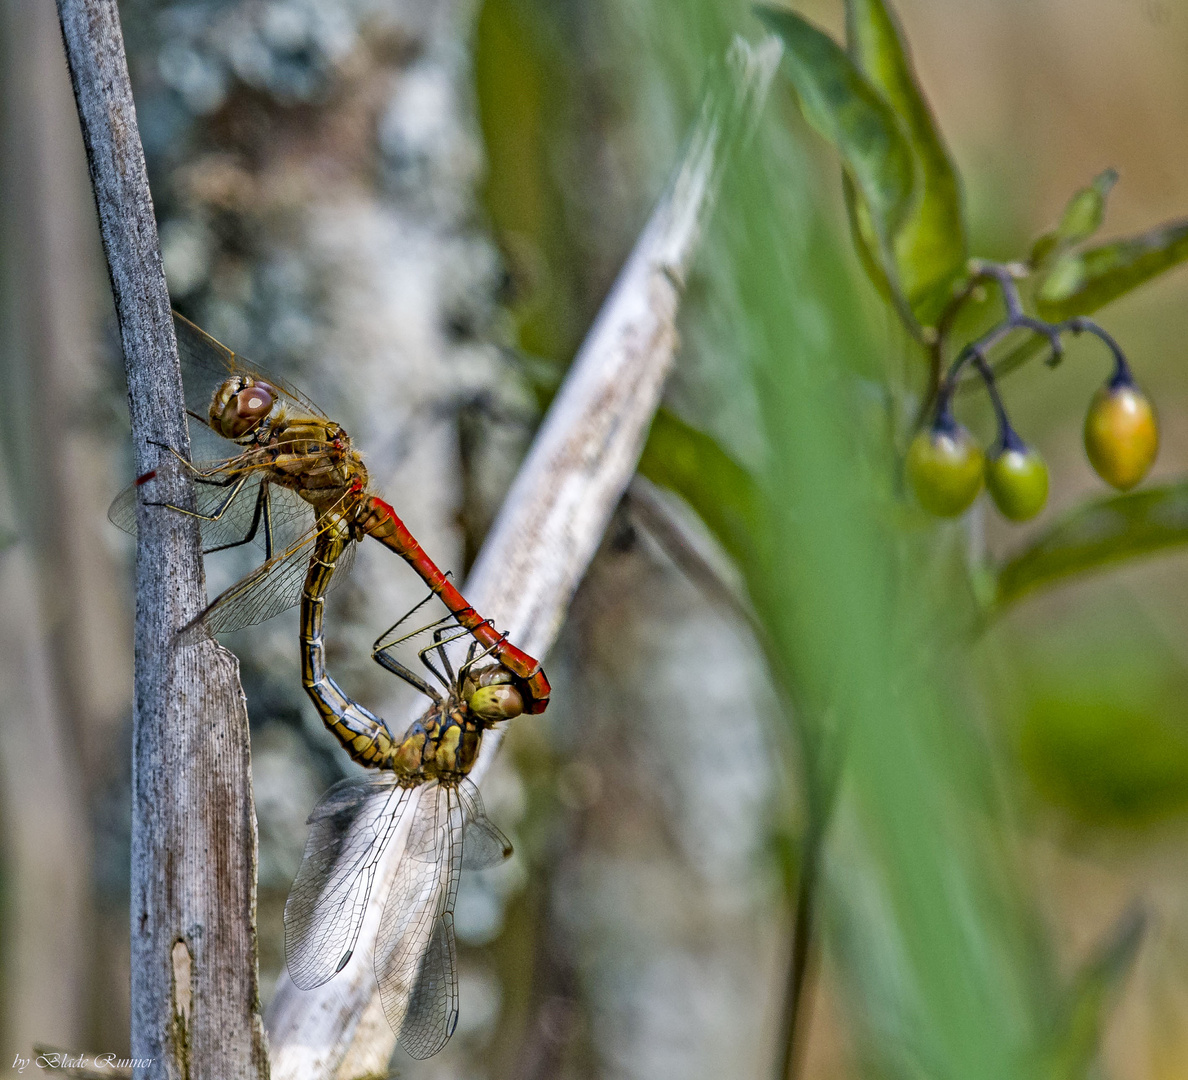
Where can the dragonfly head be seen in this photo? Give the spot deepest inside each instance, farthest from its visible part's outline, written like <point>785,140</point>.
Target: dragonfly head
<point>239,406</point>
<point>491,694</point>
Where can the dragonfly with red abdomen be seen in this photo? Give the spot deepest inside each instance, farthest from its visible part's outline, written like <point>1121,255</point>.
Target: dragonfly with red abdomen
<point>295,476</point>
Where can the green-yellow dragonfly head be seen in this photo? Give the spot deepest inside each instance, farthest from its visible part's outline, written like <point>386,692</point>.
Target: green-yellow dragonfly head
<point>492,694</point>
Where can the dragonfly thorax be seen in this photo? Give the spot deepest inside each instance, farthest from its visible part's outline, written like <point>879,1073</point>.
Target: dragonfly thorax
<point>314,457</point>
<point>443,746</point>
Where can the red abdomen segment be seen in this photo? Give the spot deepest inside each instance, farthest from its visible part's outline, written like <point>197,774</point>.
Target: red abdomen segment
<point>379,520</point>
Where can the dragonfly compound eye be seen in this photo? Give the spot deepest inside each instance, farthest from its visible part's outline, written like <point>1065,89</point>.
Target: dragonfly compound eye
<point>254,402</point>
<point>497,702</point>
<point>226,411</point>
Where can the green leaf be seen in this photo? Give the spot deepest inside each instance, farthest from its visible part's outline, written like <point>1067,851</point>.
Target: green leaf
<point>723,494</point>
<point>1082,218</point>
<point>1105,761</point>
<point>932,247</point>
<point>1079,284</point>
<point>1093,992</point>
<point>866,241</point>
<point>1103,532</point>
<point>850,112</point>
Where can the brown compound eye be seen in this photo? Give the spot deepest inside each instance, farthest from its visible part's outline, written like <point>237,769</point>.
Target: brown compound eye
<point>254,402</point>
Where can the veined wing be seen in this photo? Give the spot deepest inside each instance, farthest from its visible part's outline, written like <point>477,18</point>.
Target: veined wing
<point>206,363</point>
<point>349,829</point>
<point>484,845</point>
<point>415,953</point>
<point>415,960</point>
<point>271,588</point>
<point>291,515</point>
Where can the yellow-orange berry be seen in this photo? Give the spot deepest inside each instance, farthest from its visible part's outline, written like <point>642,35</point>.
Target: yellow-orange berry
<point>1121,434</point>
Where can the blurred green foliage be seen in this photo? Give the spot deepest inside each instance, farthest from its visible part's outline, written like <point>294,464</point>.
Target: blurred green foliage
<point>865,605</point>
<point>524,105</point>
<point>1105,760</point>
<point>894,157</point>
<point>848,110</point>
<point>863,656</point>
<point>1097,534</point>
<point>902,191</point>
<point>932,247</point>
<point>683,459</point>
<point>1072,1051</point>
<point>1081,283</point>
<point>1101,730</point>
<point>1082,217</point>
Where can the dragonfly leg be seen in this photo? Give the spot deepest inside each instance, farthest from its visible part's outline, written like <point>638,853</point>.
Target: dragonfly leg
<point>408,614</point>
<point>220,510</point>
<point>438,646</point>
<point>262,511</point>
<point>473,658</point>
<point>390,663</point>
<point>440,641</point>
<point>380,649</point>
<point>185,462</point>
<point>381,653</point>
<point>379,520</point>
<point>207,480</point>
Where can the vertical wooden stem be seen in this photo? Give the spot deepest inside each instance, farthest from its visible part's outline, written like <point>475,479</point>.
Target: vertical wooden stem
<point>195,1003</point>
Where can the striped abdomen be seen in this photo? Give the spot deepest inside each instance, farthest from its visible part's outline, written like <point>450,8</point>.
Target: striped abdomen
<point>363,734</point>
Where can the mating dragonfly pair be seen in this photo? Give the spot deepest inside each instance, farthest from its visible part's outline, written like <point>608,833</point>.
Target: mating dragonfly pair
<point>298,488</point>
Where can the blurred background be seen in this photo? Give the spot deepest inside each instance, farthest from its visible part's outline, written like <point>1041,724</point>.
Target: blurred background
<point>414,208</point>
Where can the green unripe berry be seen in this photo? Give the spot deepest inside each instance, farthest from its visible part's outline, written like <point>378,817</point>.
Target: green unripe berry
<point>1017,480</point>
<point>944,466</point>
<point>1121,434</point>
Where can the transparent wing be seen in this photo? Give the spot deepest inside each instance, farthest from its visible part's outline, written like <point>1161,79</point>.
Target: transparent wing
<point>349,830</point>
<point>206,363</point>
<point>122,512</point>
<point>290,514</point>
<point>271,588</point>
<point>414,953</point>
<point>432,1011</point>
<point>483,844</point>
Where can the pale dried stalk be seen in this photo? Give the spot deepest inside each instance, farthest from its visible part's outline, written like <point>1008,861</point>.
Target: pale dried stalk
<point>195,1000</point>
<point>551,524</point>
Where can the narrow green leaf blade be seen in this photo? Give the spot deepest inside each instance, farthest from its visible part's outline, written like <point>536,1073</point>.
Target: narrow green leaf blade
<point>1079,284</point>
<point>932,248</point>
<point>724,495</point>
<point>846,108</point>
<point>1099,534</point>
<point>1090,999</point>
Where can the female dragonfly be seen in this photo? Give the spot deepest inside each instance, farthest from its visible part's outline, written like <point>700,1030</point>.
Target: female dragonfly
<point>424,772</point>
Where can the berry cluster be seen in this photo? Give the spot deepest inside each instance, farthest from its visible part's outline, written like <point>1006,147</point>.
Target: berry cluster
<point>946,466</point>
